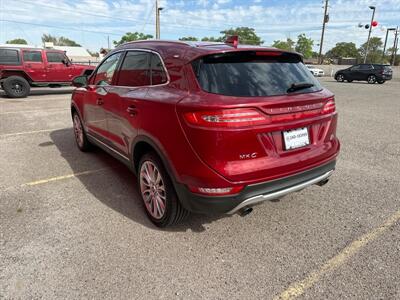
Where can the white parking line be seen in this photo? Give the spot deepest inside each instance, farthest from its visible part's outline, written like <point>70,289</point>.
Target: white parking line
<point>31,132</point>
<point>33,110</point>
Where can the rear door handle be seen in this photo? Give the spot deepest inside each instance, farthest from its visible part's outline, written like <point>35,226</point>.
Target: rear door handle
<point>99,101</point>
<point>131,110</point>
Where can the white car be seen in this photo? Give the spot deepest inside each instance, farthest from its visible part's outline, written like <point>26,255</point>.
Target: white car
<point>315,71</point>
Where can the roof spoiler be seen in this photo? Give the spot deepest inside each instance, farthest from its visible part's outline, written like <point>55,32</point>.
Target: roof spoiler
<point>232,40</point>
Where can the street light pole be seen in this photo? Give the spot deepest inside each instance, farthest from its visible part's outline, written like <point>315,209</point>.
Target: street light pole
<point>369,33</point>
<point>325,20</point>
<point>386,38</point>
<point>395,44</point>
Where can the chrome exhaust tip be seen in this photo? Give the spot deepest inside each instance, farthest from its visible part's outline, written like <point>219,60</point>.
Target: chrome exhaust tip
<point>323,182</point>
<point>245,211</point>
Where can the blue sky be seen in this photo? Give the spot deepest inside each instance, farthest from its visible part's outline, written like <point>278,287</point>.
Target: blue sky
<point>90,22</point>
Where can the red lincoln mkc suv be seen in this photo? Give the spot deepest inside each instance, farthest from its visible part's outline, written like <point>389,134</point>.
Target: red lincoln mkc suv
<point>208,127</point>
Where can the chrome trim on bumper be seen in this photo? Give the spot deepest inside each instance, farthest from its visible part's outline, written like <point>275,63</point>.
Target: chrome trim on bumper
<point>260,198</point>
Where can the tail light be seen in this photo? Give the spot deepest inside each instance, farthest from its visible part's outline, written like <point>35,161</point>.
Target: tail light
<point>329,106</point>
<point>246,117</point>
<point>216,191</point>
<point>227,118</point>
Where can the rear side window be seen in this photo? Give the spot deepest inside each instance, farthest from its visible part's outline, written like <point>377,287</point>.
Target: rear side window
<point>106,70</point>
<point>32,56</point>
<point>366,67</point>
<point>55,57</point>
<point>158,74</point>
<point>9,57</point>
<point>135,69</point>
<point>252,74</point>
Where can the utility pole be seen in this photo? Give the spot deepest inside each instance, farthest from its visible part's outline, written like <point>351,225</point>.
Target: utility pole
<point>158,9</point>
<point>325,20</point>
<point>369,33</point>
<point>395,45</point>
<point>108,42</point>
<point>157,34</point>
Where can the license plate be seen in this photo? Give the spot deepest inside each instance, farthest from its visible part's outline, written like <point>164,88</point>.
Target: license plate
<point>296,138</point>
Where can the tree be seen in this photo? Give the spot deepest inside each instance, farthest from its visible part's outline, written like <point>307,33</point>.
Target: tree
<point>48,38</point>
<point>59,41</point>
<point>374,50</point>
<point>246,35</point>
<point>212,39</point>
<point>304,45</point>
<point>343,49</point>
<point>63,41</point>
<point>189,38</point>
<point>17,41</point>
<point>284,45</point>
<point>135,36</point>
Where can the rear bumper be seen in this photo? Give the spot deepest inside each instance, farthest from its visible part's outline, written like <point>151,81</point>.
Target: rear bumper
<point>253,194</point>
<point>385,77</point>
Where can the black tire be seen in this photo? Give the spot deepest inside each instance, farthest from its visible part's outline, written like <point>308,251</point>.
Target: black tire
<point>80,135</point>
<point>349,80</point>
<point>381,81</point>
<point>339,77</point>
<point>371,79</point>
<point>16,87</point>
<point>173,212</point>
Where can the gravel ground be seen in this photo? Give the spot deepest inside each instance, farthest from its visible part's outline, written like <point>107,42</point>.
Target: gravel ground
<point>88,237</point>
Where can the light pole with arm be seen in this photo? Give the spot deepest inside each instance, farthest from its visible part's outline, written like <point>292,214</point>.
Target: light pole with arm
<point>386,38</point>
<point>395,44</point>
<point>369,33</point>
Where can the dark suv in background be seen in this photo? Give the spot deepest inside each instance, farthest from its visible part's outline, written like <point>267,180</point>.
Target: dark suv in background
<point>371,73</point>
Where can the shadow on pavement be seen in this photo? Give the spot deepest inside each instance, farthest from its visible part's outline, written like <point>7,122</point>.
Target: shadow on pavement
<point>42,92</point>
<point>117,186</point>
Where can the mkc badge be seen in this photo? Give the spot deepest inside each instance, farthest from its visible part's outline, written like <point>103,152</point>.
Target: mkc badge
<point>248,155</point>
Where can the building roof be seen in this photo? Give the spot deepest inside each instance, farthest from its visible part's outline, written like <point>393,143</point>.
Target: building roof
<point>17,46</point>
<point>73,51</point>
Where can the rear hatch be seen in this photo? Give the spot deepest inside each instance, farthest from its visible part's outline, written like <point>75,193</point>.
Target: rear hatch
<point>387,72</point>
<point>258,115</point>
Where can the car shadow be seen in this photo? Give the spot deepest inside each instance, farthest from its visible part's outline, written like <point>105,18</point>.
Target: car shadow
<point>43,92</point>
<point>115,186</point>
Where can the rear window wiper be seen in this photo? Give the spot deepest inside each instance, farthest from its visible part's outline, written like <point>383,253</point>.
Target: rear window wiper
<point>299,86</point>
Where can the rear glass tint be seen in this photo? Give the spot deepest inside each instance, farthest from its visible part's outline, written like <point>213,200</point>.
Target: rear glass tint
<point>252,74</point>
<point>8,57</point>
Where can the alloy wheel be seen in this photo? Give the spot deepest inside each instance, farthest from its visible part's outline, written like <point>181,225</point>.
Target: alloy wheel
<point>340,78</point>
<point>78,130</point>
<point>371,79</point>
<point>153,190</point>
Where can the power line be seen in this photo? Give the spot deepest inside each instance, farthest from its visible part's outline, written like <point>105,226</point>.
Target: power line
<point>60,27</point>
<point>175,25</point>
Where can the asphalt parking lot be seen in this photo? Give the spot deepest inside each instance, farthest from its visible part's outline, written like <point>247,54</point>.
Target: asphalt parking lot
<point>73,226</point>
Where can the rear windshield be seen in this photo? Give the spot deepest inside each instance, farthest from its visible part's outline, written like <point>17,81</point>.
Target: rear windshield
<point>9,57</point>
<point>251,74</point>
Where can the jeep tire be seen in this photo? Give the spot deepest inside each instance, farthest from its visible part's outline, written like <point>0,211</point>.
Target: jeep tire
<point>16,87</point>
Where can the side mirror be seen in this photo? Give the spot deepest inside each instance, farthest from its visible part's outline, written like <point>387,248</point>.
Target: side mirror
<point>80,81</point>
